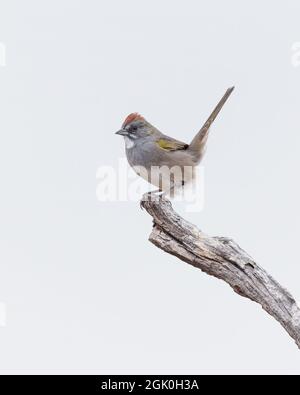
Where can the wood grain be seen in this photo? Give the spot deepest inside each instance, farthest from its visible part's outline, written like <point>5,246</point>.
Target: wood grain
<point>221,257</point>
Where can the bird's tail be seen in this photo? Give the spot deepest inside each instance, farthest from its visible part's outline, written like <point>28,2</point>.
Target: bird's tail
<point>197,146</point>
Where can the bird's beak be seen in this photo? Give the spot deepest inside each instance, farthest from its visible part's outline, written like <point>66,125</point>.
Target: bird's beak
<point>122,132</point>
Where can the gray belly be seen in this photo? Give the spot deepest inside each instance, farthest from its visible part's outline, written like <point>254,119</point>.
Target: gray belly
<point>163,169</point>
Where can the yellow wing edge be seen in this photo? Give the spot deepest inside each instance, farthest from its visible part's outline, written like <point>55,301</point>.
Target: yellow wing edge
<point>171,145</point>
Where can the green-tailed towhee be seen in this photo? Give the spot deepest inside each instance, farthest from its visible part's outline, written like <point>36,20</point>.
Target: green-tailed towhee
<point>161,160</point>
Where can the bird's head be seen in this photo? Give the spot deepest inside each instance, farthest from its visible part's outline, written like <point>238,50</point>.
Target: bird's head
<point>135,127</point>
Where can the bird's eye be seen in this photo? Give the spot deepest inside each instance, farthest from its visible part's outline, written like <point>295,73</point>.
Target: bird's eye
<point>134,128</point>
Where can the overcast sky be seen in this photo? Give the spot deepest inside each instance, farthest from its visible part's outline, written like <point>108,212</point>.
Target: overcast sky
<point>83,289</point>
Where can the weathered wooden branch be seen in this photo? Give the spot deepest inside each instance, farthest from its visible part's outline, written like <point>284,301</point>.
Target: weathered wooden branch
<point>221,257</point>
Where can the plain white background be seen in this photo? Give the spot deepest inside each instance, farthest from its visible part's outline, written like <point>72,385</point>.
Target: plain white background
<point>85,292</point>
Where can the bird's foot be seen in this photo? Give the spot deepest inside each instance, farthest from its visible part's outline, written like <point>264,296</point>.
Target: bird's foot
<point>152,196</point>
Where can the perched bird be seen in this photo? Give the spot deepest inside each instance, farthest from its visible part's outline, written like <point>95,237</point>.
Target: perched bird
<point>161,160</point>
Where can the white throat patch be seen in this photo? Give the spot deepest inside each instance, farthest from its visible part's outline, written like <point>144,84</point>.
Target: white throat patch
<point>129,142</point>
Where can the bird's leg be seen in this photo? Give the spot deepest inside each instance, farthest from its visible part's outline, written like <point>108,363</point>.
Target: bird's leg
<point>158,193</point>
<point>170,191</point>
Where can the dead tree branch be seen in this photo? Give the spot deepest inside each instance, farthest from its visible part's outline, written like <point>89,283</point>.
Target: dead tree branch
<point>221,257</point>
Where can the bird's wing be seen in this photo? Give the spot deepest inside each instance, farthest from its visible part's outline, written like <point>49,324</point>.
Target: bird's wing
<point>169,144</point>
